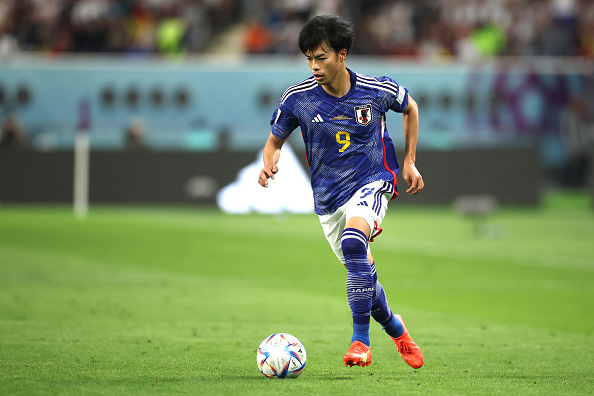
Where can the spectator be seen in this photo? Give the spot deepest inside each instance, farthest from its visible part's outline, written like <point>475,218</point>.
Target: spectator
<point>12,136</point>
<point>89,25</point>
<point>135,134</point>
<point>257,38</point>
<point>170,31</point>
<point>577,135</point>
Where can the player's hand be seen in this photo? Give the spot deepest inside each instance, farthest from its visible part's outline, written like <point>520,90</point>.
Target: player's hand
<point>413,178</point>
<point>266,173</point>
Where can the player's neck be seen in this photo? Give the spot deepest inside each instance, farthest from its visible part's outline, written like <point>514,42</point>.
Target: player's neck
<point>340,86</point>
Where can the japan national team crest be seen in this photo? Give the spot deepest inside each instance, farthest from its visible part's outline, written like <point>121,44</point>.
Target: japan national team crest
<point>363,114</point>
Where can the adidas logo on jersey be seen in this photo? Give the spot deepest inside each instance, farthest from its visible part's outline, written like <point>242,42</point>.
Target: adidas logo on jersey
<point>317,118</point>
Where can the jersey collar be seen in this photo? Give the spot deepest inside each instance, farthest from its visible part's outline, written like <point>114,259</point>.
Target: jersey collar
<point>326,95</point>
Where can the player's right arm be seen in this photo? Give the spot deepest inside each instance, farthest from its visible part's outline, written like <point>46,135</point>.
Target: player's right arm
<point>271,155</point>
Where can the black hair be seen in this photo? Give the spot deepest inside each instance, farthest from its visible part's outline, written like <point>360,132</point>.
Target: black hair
<point>332,30</point>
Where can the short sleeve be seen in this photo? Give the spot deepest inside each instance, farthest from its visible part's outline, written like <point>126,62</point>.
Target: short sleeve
<point>283,122</point>
<point>398,100</point>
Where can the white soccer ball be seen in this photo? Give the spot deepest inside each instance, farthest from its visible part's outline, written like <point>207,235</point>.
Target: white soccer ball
<point>281,355</point>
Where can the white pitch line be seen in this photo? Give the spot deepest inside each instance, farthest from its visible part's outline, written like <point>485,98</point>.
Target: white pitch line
<point>458,251</point>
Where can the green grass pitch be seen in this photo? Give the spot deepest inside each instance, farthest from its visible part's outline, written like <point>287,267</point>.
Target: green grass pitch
<point>168,301</point>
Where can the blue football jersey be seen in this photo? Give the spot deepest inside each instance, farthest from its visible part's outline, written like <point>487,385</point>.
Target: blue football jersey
<point>346,140</point>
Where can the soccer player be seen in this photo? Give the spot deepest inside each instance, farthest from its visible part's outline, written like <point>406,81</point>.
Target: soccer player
<point>353,165</point>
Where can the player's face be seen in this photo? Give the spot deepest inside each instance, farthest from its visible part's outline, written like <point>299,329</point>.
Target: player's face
<point>325,64</point>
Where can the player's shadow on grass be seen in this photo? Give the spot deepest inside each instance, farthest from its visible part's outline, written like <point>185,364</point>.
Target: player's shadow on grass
<point>302,377</point>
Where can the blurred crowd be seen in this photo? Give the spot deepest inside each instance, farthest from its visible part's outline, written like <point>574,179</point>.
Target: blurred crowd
<point>116,26</point>
<point>461,29</point>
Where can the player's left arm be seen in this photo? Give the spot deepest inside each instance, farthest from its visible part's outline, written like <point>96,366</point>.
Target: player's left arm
<point>410,124</point>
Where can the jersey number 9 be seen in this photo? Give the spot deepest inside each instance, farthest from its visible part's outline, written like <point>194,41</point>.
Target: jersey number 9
<point>343,138</point>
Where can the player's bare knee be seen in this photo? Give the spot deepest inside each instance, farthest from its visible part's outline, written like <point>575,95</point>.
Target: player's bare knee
<point>360,224</point>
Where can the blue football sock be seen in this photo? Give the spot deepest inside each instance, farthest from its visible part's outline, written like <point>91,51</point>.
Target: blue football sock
<point>360,282</point>
<point>394,328</point>
<point>361,333</point>
<point>381,312</point>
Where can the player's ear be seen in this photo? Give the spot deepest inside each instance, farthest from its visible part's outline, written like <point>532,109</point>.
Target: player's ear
<point>342,54</point>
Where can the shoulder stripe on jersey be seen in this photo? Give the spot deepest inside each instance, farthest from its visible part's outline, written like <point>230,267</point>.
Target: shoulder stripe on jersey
<point>385,84</point>
<point>299,90</point>
<point>383,88</point>
<point>304,82</point>
<point>376,81</point>
<point>296,86</point>
<point>305,88</point>
<point>302,86</point>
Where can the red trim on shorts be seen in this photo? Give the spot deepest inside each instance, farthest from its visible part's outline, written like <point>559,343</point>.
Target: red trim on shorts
<point>376,231</point>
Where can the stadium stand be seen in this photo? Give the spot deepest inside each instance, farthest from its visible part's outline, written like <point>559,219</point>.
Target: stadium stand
<point>463,29</point>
